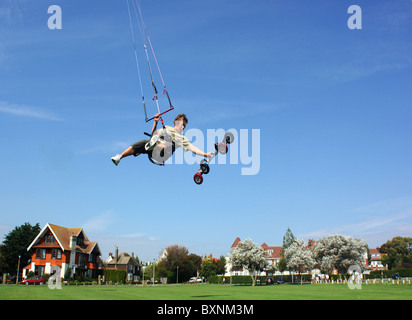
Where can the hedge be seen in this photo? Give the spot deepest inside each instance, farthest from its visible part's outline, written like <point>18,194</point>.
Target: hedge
<point>116,276</point>
<point>377,274</point>
<point>247,280</point>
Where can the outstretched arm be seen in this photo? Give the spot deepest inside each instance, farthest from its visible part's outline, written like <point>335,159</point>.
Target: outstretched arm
<point>199,152</point>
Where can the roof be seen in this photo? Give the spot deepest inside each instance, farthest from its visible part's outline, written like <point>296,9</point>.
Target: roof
<point>62,236</point>
<point>275,254</point>
<point>276,251</point>
<point>236,243</point>
<point>311,244</point>
<point>124,258</point>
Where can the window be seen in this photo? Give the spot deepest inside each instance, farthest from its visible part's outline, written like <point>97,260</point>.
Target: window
<point>41,254</point>
<point>39,270</point>
<point>80,241</point>
<point>56,254</point>
<point>82,260</point>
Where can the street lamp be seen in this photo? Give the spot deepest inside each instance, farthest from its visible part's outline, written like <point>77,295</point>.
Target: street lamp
<point>177,275</point>
<point>143,273</point>
<point>154,268</point>
<point>18,269</point>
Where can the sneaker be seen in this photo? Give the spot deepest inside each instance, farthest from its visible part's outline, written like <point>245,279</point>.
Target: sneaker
<point>116,159</point>
<point>152,143</point>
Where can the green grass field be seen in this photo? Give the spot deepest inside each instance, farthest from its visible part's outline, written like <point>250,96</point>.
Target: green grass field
<point>208,292</point>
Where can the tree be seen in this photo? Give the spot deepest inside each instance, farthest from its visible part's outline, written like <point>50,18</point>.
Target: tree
<point>147,271</point>
<point>174,257</point>
<point>178,256</point>
<point>208,269</point>
<point>193,264</point>
<point>288,240</point>
<point>339,252</point>
<point>212,266</point>
<point>398,252</point>
<point>221,265</point>
<point>298,257</point>
<point>281,266</point>
<point>15,244</point>
<point>250,256</point>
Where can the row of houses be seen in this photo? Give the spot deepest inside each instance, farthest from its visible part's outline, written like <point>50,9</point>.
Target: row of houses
<point>71,251</point>
<point>274,254</point>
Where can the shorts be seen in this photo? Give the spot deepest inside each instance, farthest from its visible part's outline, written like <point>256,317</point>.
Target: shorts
<point>139,148</point>
<point>159,154</point>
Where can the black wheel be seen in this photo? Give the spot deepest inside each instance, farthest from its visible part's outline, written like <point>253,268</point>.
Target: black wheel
<point>229,137</point>
<point>205,168</point>
<point>198,178</point>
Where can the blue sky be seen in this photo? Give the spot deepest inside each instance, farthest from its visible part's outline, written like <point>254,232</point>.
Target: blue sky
<point>333,107</point>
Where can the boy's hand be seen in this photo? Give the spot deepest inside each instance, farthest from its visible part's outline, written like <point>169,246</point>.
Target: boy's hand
<point>156,117</point>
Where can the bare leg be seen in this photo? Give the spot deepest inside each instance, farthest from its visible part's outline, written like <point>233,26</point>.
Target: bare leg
<point>128,152</point>
<point>132,150</point>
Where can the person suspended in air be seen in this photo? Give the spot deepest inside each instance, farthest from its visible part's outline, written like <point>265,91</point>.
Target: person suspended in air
<point>162,143</point>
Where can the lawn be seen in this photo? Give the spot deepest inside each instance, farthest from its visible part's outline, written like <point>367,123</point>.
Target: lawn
<point>208,292</point>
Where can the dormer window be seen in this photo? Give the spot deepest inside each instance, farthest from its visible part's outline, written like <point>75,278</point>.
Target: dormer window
<point>79,241</point>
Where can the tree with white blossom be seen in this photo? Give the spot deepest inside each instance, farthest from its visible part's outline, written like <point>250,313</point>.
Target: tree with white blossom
<point>340,252</point>
<point>250,256</point>
<point>298,258</point>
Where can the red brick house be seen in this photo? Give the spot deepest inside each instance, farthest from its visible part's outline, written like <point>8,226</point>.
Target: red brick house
<point>273,254</point>
<point>376,260</point>
<point>58,248</point>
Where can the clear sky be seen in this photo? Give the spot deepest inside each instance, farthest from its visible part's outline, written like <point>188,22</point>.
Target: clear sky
<point>332,105</point>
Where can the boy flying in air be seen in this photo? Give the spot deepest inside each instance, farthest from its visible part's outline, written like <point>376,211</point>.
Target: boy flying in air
<point>163,142</point>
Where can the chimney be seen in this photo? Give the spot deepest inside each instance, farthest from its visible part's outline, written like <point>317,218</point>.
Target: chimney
<point>73,243</point>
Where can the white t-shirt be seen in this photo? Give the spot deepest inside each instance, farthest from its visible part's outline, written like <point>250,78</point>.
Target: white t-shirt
<point>175,137</point>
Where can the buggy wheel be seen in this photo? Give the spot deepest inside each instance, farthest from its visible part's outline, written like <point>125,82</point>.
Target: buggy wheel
<point>205,168</point>
<point>229,137</point>
<point>198,178</point>
<point>222,148</point>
